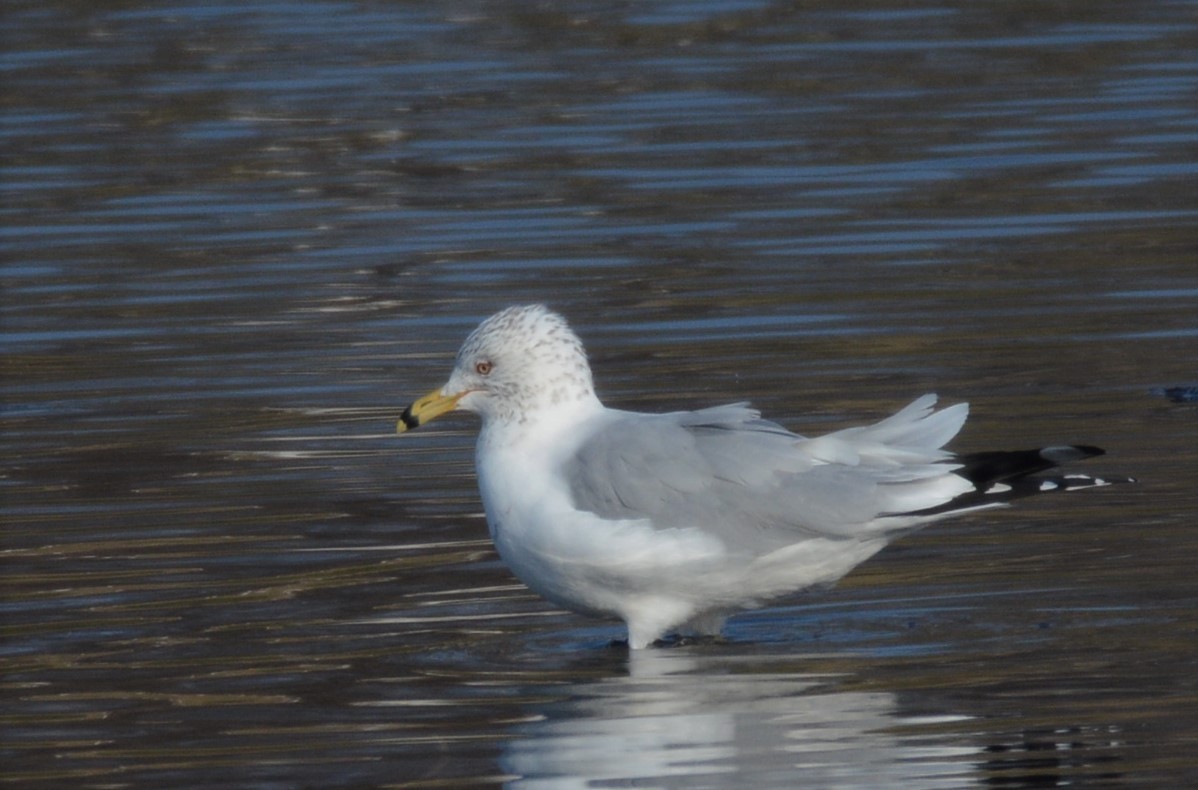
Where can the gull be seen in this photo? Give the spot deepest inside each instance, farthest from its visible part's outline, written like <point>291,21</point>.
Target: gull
<point>673,522</point>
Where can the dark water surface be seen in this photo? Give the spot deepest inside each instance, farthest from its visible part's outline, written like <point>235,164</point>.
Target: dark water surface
<point>238,237</point>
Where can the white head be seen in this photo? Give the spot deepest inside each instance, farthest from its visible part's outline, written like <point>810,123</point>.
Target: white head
<point>518,362</point>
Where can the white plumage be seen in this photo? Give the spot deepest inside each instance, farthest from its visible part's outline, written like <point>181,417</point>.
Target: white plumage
<point>671,522</point>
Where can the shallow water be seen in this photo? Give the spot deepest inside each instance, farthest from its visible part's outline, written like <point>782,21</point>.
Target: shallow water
<point>238,238</point>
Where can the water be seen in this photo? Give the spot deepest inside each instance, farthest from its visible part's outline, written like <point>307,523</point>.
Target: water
<point>238,238</point>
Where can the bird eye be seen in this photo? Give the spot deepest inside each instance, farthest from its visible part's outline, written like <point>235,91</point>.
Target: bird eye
<point>482,368</point>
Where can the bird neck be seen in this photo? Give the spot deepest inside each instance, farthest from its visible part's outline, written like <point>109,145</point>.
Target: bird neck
<point>540,420</point>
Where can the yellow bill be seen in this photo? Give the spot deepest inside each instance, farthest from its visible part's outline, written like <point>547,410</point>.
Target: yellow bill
<point>430,407</point>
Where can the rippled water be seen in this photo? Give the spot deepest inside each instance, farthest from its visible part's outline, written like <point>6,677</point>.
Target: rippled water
<point>239,237</point>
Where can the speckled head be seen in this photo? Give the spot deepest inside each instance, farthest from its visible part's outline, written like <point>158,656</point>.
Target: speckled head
<point>520,362</point>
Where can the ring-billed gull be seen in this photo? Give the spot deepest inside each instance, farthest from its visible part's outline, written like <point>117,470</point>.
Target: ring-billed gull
<point>672,522</point>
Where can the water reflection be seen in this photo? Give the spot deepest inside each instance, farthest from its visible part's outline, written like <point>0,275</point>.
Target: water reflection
<point>686,719</point>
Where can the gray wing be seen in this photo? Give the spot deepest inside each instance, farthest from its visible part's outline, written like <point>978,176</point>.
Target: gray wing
<point>727,471</point>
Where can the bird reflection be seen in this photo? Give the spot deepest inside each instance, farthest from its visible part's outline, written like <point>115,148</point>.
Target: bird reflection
<point>682,719</point>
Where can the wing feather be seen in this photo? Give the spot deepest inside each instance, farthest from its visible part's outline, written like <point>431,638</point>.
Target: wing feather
<point>751,482</point>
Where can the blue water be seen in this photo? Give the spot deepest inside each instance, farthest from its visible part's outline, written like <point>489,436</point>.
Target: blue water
<point>238,238</point>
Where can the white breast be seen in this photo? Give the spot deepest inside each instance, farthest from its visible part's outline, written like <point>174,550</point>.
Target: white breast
<point>571,557</point>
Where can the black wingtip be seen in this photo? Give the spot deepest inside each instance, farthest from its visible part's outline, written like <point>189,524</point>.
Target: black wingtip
<point>1005,466</point>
